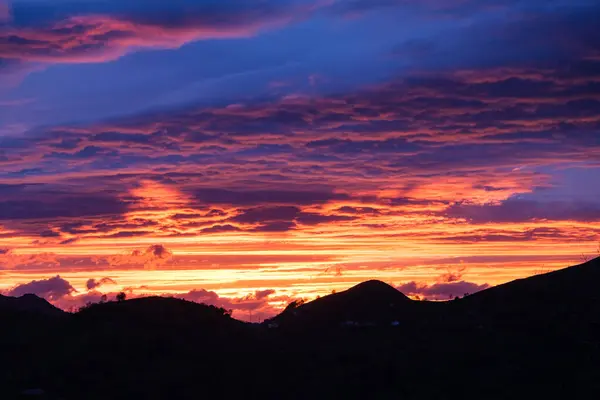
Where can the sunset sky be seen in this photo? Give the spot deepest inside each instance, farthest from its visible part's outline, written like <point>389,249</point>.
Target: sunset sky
<point>246,153</point>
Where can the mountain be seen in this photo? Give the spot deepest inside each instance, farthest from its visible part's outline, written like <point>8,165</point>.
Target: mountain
<point>569,292</point>
<point>532,338</point>
<point>576,284</point>
<point>29,305</point>
<point>564,302</point>
<point>366,304</point>
<point>157,313</point>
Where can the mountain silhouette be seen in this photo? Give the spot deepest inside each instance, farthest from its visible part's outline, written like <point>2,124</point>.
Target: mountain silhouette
<point>566,286</point>
<point>156,310</point>
<point>537,337</point>
<point>368,303</point>
<point>28,305</point>
<point>158,314</point>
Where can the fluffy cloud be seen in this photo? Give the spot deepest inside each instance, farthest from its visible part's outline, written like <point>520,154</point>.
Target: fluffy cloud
<point>52,289</point>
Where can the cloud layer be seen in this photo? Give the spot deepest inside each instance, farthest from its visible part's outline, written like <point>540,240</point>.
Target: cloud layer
<point>107,31</point>
<point>145,140</point>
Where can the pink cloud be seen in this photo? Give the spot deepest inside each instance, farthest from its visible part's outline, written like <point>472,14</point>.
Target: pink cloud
<point>104,37</point>
<point>253,307</point>
<point>440,291</point>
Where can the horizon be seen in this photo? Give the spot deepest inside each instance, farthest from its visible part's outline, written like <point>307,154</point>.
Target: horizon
<point>247,156</point>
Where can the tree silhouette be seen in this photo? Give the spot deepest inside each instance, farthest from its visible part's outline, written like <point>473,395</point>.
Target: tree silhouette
<point>294,304</point>
<point>224,311</point>
<point>121,296</point>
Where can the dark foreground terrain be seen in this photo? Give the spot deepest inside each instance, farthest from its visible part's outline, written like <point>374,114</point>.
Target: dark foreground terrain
<point>536,338</point>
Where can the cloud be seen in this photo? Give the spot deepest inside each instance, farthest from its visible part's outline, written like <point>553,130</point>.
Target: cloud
<point>440,291</point>
<point>221,229</point>
<point>261,294</point>
<point>452,275</point>
<point>5,11</point>
<point>429,8</point>
<point>254,306</point>
<point>11,259</point>
<point>516,210</point>
<point>316,219</point>
<point>256,197</point>
<point>368,169</point>
<point>51,289</point>
<point>107,31</point>
<point>29,204</point>
<point>152,257</point>
<point>92,284</point>
<point>264,214</point>
<point>202,296</point>
<point>283,218</point>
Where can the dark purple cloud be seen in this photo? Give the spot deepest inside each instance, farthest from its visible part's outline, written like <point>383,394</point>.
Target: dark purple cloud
<point>221,229</point>
<point>44,202</point>
<point>516,210</point>
<point>256,197</point>
<point>50,289</point>
<point>307,218</point>
<point>276,226</point>
<point>282,218</point>
<point>153,256</point>
<point>267,214</point>
<point>261,294</point>
<point>92,284</point>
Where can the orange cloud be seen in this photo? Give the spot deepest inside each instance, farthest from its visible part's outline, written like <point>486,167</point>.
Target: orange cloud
<point>13,259</point>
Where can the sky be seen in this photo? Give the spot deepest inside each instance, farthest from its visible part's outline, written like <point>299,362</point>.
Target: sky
<point>250,153</point>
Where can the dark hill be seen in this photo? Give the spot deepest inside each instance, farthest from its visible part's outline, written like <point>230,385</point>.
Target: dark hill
<point>371,303</point>
<point>574,284</point>
<point>565,289</point>
<point>156,311</point>
<point>564,301</point>
<point>29,305</point>
<point>154,320</point>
